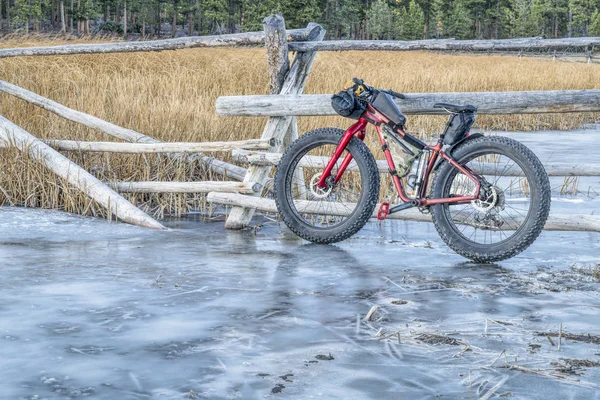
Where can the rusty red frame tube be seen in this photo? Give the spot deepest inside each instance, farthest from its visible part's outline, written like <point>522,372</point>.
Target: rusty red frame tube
<point>374,117</point>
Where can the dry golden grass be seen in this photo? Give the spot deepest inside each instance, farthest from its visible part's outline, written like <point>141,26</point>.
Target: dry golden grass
<point>171,96</point>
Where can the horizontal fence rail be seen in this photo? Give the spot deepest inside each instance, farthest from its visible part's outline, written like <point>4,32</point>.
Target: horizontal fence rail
<point>163,147</point>
<point>531,102</point>
<point>75,175</point>
<point>221,167</point>
<point>552,169</point>
<point>188,42</point>
<point>187,187</point>
<point>446,44</point>
<point>570,222</point>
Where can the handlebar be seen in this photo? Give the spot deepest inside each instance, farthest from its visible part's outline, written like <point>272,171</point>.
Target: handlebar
<point>373,90</point>
<point>395,94</point>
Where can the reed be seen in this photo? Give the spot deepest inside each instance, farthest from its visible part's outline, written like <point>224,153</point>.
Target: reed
<point>171,96</point>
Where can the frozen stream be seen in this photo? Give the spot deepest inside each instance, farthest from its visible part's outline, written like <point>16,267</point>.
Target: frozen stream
<point>111,311</point>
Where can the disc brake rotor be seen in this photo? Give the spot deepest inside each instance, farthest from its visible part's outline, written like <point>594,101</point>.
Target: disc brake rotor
<point>489,202</point>
<point>319,192</point>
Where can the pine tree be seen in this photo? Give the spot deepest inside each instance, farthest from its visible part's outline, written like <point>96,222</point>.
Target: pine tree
<point>300,12</point>
<point>581,13</point>
<point>526,18</point>
<point>460,24</point>
<point>379,15</point>
<point>28,13</point>
<point>412,22</point>
<point>594,28</point>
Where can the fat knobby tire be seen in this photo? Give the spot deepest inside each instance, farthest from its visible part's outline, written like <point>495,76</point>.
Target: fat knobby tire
<point>368,197</point>
<point>538,213</point>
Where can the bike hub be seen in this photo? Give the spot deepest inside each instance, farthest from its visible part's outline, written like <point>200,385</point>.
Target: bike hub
<point>320,192</point>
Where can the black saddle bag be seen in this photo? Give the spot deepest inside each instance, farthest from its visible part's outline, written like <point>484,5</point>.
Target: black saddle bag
<point>347,105</point>
<point>458,126</point>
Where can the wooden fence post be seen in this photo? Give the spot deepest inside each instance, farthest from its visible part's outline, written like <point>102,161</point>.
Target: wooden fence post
<point>294,83</point>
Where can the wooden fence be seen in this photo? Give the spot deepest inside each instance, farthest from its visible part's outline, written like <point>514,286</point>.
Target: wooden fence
<point>285,102</point>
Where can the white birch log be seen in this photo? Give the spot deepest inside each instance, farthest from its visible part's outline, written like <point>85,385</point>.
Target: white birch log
<point>552,169</point>
<point>531,102</point>
<point>446,45</point>
<point>162,147</point>
<point>277,127</point>
<point>230,40</point>
<point>75,175</point>
<point>218,166</point>
<point>570,222</point>
<point>186,187</point>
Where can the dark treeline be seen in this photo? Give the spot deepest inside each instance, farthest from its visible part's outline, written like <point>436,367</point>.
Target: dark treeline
<point>343,19</point>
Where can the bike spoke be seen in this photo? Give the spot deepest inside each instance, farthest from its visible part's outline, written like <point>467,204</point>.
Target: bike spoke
<point>498,217</point>
<point>344,196</point>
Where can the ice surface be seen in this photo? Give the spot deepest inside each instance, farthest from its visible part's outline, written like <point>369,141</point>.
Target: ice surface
<point>102,310</point>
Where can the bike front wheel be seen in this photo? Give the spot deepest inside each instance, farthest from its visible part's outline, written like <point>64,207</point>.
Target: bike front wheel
<point>513,206</point>
<point>334,213</point>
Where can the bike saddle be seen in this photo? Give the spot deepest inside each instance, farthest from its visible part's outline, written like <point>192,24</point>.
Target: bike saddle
<point>454,108</point>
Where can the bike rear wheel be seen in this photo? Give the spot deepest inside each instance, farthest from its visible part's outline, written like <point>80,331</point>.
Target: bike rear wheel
<point>514,206</point>
<point>332,214</point>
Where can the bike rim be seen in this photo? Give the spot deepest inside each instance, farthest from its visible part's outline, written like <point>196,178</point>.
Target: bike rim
<point>322,208</point>
<point>506,207</point>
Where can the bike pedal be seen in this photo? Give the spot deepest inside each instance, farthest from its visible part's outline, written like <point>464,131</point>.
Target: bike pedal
<point>384,210</point>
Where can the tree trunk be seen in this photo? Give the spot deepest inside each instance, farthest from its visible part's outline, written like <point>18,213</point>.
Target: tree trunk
<point>174,21</point>
<point>63,28</point>
<point>199,11</point>
<point>7,15</point>
<point>125,18</point>
<point>190,18</point>
<point>71,17</point>
<point>158,21</point>
<point>52,14</point>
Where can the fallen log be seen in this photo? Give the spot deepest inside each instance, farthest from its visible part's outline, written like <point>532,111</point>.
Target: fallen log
<point>446,45</point>
<point>570,222</point>
<point>161,147</point>
<point>75,175</point>
<point>215,165</point>
<point>532,102</point>
<point>187,187</point>
<point>552,169</point>
<point>188,42</point>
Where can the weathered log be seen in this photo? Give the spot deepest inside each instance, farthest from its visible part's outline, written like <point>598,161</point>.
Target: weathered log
<point>552,169</point>
<point>570,222</point>
<point>278,63</point>
<point>186,187</point>
<point>236,39</point>
<point>75,175</point>
<point>161,147</point>
<point>447,45</point>
<point>277,127</point>
<point>533,102</point>
<point>218,166</point>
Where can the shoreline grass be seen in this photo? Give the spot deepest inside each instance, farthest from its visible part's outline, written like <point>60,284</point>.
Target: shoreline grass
<point>171,96</point>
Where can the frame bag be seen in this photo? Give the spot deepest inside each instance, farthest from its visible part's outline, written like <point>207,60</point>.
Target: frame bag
<point>458,126</point>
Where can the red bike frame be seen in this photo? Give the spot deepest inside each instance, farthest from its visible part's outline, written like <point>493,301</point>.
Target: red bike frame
<point>358,129</point>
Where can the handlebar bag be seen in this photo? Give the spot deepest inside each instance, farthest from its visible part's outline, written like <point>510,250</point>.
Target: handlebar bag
<point>458,126</point>
<point>347,105</point>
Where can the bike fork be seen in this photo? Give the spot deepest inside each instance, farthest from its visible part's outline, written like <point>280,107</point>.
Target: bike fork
<point>358,129</point>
